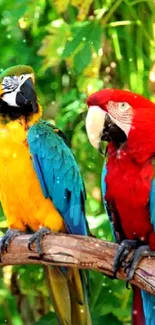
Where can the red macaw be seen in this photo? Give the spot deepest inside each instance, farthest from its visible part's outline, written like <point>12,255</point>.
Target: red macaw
<point>127,121</point>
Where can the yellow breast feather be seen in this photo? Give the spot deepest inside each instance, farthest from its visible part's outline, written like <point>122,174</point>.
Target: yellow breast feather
<point>20,192</point>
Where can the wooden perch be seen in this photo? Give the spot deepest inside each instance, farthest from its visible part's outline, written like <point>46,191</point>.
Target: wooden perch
<point>80,252</point>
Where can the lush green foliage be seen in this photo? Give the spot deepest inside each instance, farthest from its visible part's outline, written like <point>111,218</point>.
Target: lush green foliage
<point>75,48</point>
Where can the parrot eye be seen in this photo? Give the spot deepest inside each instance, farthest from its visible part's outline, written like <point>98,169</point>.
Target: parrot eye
<point>123,106</point>
<point>22,77</point>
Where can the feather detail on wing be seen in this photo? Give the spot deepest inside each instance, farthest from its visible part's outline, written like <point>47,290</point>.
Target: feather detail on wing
<point>58,174</point>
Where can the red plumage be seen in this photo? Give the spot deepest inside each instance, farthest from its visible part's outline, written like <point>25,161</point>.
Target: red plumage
<point>128,189</point>
<point>129,169</point>
<point>130,172</point>
<point>101,97</point>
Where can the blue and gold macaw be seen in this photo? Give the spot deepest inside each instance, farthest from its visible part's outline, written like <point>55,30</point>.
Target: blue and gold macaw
<point>40,186</point>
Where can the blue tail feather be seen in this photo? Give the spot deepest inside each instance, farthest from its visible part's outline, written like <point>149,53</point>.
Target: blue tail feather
<point>149,307</point>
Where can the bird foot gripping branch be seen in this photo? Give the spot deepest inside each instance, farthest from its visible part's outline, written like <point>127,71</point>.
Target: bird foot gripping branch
<point>139,253</point>
<point>6,239</point>
<point>131,265</point>
<point>36,238</point>
<point>123,251</point>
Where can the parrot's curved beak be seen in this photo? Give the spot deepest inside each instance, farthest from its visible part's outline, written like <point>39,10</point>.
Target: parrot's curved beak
<point>27,95</point>
<point>95,120</point>
<point>100,127</point>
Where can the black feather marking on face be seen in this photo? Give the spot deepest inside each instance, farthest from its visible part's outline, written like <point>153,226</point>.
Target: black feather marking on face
<point>112,132</point>
<point>13,112</point>
<point>10,84</point>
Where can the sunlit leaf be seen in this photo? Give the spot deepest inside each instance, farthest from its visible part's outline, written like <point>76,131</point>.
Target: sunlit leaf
<point>61,5</point>
<point>88,32</point>
<point>53,44</point>
<point>82,6</point>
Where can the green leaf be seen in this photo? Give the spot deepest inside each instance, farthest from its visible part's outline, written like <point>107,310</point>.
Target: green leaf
<point>49,319</point>
<point>1,213</point>
<point>69,97</point>
<point>79,35</point>
<point>108,319</point>
<point>96,34</point>
<point>89,32</point>
<point>82,58</point>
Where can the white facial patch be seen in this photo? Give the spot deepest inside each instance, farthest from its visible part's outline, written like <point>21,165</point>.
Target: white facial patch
<point>121,114</point>
<point>11,86</point>
<point>10,98</point>
<point>94,125</point>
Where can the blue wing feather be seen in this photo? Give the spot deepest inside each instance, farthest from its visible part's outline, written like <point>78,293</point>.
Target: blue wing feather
<point>149,307</point>
<point>152,203</point>
<point>37,167</point>
<point>149,300</point>
<point>59,175</point>
<point>103,183</point>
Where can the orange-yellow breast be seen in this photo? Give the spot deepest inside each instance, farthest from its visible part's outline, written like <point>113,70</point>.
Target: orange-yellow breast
<point>20,191</point>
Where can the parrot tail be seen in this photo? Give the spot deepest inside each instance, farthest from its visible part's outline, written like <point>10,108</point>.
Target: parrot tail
<point>143,307</point>
<point>67,288</point>
<point>149,307</point>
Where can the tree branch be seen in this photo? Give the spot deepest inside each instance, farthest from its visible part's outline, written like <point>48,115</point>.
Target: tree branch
<point>80,252</point>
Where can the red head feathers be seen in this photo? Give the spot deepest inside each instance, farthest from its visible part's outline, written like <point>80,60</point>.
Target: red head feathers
<point>121,116</point>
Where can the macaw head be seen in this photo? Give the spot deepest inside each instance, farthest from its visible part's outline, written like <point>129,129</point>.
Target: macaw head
<point>120,116</point>
<point>17,92</point>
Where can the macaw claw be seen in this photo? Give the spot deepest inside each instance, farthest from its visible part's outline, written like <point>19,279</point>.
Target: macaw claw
<point>5,240</point>
<point>123,251</point>
<point>140,252</point>
<point>36,238</point>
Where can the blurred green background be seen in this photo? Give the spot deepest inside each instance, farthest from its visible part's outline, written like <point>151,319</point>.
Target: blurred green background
<point>75,47</point>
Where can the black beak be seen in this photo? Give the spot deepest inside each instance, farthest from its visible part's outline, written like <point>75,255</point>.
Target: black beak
<point>27,96</point>
<point>112,132</point>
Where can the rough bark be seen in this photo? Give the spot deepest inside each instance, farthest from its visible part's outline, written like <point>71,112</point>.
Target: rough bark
<point>80,252</point>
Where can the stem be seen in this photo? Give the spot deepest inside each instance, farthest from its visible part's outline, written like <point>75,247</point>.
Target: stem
<point>111,11</point>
